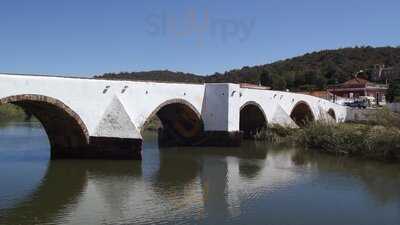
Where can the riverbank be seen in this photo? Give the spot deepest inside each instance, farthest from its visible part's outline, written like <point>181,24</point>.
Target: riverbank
<point>378,138</point>
<point>9,112</point>
<point>362,140</point>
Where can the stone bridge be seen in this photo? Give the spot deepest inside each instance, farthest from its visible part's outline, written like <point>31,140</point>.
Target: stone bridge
<point>90,118</point>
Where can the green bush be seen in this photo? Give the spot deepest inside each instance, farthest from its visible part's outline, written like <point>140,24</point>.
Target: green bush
<point>9,112</point>
<point>384,117</point>
<point>378,139</point>
<point>383,142</point>
<point>276,134</point>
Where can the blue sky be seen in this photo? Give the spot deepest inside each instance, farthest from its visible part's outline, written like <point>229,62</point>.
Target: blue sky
<point>85,38</point>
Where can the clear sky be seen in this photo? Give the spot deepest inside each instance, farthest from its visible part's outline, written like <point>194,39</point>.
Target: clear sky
<point>89,37</point>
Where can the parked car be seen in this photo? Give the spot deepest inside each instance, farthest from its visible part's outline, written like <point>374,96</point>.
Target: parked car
<point>357,104</point>
<point>369,99</point>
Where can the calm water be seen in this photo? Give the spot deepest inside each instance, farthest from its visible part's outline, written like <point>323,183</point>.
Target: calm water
<point>255,184</point>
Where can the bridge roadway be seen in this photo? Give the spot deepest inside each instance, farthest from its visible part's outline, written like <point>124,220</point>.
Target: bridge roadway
<point>92,118</point>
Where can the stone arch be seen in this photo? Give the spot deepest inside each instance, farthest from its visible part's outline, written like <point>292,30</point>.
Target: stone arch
<point>302,114</point>
<point>64,128</point>
<point>182,123</point>
<point>252,119</point>
<point>332,113</point>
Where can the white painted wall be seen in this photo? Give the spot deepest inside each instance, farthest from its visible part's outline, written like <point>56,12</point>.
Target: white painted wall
<point>219,104</point>
<point>215,110</point>
<point>220,111</point>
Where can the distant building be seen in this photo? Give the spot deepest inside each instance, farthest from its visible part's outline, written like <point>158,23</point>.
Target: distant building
<point>357,87</point>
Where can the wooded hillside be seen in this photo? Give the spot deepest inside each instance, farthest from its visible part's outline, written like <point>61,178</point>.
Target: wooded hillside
<point>311,71</point>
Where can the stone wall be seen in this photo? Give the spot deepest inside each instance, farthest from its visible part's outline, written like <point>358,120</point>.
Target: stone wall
<point>394,107</point>
<point>359,115</point>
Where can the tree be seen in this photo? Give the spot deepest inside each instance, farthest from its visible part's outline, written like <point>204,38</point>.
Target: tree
<point>278,83</point>
<point>310,77</point>
<point>320,82</point>
<point>299,79</point>
<point>290,79</point>
<point>266,78</point>
<point>393,93</point>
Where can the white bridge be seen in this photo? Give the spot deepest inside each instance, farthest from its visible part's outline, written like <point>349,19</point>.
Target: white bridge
<point>91,118</point>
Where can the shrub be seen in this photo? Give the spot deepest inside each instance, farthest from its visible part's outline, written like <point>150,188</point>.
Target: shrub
<point>352,139</point>
<point>384,117</point>
<point>276,134</point>
<point>383,142</point>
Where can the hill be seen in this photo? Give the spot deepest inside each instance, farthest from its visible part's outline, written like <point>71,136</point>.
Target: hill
<point>156,75</point>
<point>312,71</point>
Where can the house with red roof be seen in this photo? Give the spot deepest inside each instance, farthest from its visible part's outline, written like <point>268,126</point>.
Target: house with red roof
<point>357,87</point>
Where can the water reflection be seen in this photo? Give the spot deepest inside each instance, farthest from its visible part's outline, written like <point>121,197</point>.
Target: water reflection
<point>196,179</point>
<point>255,184</point>
<point>63,184</point>
<point>381,180</point>
<point>214,182</point>
<point>252,160</point>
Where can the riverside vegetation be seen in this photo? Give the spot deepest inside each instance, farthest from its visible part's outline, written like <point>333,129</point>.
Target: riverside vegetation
<point>10,112</point>
<point>379,138</point>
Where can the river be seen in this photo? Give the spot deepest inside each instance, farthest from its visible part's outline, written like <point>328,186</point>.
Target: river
<point>254,184</point>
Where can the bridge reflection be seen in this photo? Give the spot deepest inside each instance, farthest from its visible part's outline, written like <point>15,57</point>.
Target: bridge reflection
<point>208,184</point>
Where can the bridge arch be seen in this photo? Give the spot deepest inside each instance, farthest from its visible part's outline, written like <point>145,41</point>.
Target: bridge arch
<point>302,114</point>
<point>332,113</point>
<point>252,119</point>
<point>181,122</point>
<point>64,128</point>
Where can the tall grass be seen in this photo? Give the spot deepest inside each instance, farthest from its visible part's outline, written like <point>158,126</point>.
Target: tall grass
<point>352,139</point>
<point>275,133</point>
<point>384,117</point>
<point>378,138</point>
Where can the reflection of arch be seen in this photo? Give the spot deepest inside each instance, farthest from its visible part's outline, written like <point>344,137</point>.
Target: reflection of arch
<point>252,118</point>
<point>332,113</point>
<point>302,114</point>
<point>250,169</point>
<point>64,128</point>
<point>180,120</point>
<point>63,185</point>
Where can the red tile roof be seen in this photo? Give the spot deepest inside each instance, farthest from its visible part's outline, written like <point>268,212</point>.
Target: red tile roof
<point>356,81</point>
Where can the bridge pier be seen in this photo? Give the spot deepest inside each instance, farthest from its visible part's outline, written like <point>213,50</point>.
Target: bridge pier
<point>101,148</point>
